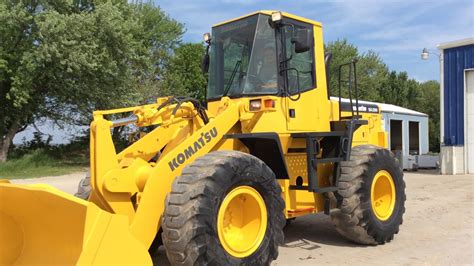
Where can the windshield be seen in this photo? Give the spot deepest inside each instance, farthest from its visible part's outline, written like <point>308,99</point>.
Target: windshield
<point>243,58</point>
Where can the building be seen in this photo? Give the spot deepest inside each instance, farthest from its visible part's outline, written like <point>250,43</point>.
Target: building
<point>408,133</point>
<point>457,106</point>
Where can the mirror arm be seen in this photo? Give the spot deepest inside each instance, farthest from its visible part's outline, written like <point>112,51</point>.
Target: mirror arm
<point>206,60</point>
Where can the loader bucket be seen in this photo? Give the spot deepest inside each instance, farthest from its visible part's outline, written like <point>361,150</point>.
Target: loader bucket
<point>42,225</point>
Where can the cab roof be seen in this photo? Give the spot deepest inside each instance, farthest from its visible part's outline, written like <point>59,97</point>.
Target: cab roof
<point>269,12</point>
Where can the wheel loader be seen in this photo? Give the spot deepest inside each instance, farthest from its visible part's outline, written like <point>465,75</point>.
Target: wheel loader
<point>216,184</point>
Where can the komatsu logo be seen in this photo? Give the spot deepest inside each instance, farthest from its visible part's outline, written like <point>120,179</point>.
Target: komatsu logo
<point>205,138</point>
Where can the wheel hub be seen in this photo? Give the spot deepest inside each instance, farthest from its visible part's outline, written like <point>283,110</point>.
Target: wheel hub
<point>242,221</point>
<point>383,195</point>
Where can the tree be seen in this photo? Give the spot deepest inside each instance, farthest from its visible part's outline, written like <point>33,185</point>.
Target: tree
<point>429,104</point>
<point>371,71</point>
<point>399,90</point>
<point>63,59</point>
<point>183,75</point>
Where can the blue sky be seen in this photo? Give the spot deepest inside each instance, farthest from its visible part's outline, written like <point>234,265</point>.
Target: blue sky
<point>396,30</point>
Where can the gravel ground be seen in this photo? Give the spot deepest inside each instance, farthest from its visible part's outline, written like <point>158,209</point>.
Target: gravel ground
<point>438,227</point>
<point>66,183</point>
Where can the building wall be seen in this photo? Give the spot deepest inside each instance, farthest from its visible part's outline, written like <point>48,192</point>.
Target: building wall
<point>469,128</point>
<point>452,160</point>
<point>455,61</point>
<point>406,118</point>
<point>457,138</point>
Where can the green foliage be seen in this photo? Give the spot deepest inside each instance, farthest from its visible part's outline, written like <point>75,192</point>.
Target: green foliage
<point>38,157</point>
<point>371,71</point>
<point>398,89</point>
<point>36,143</point>
<point>183,75</point>
<point>75,152</point>
<point>37,163</point>
<point>63,59</point>
<point>377,83</point>
<point>429,104</point>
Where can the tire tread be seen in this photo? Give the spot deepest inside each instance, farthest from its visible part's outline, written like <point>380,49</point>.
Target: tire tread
<point>186,227</point>
<point>351,219</point>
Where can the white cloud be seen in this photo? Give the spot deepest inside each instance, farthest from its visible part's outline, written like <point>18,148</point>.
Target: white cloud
<point>397,29</point>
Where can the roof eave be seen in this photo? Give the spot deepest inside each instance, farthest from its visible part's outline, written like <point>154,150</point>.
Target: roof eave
<point>458,43</point>
<point>269,12</point>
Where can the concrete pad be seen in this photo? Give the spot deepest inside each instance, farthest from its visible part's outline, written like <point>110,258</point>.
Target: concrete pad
<point>438,227</point>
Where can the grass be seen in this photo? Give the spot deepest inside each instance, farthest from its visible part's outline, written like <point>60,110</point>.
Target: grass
<point>40,162</point>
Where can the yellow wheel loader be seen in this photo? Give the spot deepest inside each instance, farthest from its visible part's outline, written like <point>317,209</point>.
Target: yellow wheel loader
<point>216,185</point>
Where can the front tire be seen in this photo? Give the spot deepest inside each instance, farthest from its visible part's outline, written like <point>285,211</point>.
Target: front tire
<point>225,209</point>
<point>373,196</point>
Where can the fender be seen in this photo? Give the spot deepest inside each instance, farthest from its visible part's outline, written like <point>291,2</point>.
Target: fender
<point>267,147</point>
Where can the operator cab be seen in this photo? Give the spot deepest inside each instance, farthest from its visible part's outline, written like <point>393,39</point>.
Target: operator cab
<point>260,55</point>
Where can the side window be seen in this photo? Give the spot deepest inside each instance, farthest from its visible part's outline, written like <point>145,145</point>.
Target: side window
<point>300,65</point>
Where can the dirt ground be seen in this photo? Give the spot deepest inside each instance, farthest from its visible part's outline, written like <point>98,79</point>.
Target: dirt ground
<point>438,227</point>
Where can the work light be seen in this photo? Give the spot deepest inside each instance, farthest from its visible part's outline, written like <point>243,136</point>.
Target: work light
<point>276,16</point>
<point>207,37</point>
<point>425,54</point>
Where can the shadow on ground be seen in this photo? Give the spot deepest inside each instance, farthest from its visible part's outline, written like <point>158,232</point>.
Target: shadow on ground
<point>313,231</point>
<point>308,233</point>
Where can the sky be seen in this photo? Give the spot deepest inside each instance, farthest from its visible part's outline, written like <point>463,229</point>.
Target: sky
<point>396,30</point>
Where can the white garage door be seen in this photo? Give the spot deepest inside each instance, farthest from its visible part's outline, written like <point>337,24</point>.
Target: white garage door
<point>469,145</point>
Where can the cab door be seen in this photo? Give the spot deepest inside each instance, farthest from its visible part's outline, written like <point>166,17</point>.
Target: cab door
<point>299,79</point>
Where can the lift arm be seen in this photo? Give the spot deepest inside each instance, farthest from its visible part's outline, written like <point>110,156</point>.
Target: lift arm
<point>184,140</point>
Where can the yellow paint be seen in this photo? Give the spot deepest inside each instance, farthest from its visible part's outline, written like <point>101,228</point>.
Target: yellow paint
<point>40,225</point>
<point>383,195</point>
<point>152,203</point>
<point>269,12</point>
<point>119,222</point>
<point>242,221</point>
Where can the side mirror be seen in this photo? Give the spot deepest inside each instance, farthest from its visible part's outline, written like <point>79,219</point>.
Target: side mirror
<point>327,62</point>
<point>205,63</point>
<point>303,40</point>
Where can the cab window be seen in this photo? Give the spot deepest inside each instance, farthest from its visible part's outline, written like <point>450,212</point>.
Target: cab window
<point>300,66</point>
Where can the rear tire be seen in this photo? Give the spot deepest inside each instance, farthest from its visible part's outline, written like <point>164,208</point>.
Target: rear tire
<point>359,217</point>
<point>191,229</point>
<point>84,188</point>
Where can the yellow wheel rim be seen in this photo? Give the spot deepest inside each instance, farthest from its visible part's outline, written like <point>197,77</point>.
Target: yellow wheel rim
<point>242,221</point>
<point>383,195</point>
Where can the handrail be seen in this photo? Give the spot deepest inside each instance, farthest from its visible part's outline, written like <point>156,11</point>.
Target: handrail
<point>352,83</point>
